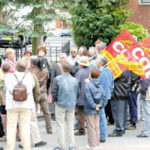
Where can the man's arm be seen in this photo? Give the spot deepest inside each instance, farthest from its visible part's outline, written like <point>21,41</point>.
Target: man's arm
<point>36,89</point>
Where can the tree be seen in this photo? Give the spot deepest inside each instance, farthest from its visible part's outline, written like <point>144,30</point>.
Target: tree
<point>3,3</point>
<point>31,23</point>
<point>98,19</point>
<point>135,29</point>
<point>42,11</point>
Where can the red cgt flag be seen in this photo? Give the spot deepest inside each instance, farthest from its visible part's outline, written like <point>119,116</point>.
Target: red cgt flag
<point>120,45</point>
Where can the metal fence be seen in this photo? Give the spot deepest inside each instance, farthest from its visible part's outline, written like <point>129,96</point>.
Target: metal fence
<point>54,46</point>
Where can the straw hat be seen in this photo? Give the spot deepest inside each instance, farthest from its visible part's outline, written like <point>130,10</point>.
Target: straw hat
<point>83,60</point>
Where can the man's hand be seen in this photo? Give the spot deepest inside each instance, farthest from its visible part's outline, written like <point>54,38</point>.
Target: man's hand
<point>138,89</point>
<point>3,102</point>
<point>87,80</point>
<point>98,107</point>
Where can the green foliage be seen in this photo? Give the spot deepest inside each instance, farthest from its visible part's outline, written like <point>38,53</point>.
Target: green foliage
<point>98,19</point>
<point>4,27</point>
<point>3,3</point>
<point>135,29</point>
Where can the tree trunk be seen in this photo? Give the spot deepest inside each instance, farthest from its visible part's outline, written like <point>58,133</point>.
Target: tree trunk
<point>1,16</point>
<point>34,45</point>
<point>40,41</point>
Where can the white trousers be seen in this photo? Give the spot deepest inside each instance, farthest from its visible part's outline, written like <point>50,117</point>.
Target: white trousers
<point>65,117</point>
<point>35,132</point>
<point>23,116</point>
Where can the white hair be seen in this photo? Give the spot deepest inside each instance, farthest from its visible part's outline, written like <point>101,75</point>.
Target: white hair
<point>101,45</point>
<point>102,60</point>
<point>73,49</point>
<point>93,49</point>
<point>63,54</point>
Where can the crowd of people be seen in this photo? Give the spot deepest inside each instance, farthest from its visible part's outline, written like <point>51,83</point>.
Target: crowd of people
<point>83,92</point>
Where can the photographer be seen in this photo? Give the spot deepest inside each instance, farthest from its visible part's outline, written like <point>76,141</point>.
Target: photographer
<point>42,75</point>
<point>45,63</point>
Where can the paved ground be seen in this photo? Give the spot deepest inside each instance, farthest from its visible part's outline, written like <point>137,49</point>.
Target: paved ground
<point>127,142</point>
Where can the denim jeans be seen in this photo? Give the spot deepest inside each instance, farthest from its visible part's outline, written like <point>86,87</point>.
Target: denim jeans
<point>119,111</point>
<point>133,107</point>
<point>139,107</point>
<point>103,124</point>
<point>146,113</point>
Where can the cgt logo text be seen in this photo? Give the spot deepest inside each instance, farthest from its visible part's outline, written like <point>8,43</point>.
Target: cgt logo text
<point>137,53</point>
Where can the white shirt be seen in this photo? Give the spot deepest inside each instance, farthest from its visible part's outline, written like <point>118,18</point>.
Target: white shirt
<point>72,60</point>
<point>10,82</point>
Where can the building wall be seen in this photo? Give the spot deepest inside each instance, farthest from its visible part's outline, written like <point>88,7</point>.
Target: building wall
<point>60,24</point>
<point>141,13</point>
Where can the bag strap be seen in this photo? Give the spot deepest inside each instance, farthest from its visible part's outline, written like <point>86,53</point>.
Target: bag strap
<point>18,81</point>
<point>21,79</point>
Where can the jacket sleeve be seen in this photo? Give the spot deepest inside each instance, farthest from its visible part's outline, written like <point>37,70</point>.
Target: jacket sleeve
<point>104,100</point>
<point>53,74</point>
<point>89,99</point>
<point>144,86</point>
<point>50,67</point>
<point>36,89</point>
<point>78,90</point>
<point>55,90</point>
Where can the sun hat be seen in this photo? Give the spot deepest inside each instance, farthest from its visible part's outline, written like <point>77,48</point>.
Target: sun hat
<point>83,60</point>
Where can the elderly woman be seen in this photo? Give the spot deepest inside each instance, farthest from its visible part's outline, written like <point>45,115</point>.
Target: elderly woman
<point>10,59</point>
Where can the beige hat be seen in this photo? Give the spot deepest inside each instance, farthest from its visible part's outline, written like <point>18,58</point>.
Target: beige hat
<point>83,60</point>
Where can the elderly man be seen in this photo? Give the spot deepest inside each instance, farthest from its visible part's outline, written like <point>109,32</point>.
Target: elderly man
<point>144,85</point>
<point>101,46</point>
<point>57,69</point>
<point>81,75</point>
<point>92,57</point>
<point>82,51</point>
<point>107,81</point>
<point>19,111</point>
<point>72,59</point>
<point>119,103</point>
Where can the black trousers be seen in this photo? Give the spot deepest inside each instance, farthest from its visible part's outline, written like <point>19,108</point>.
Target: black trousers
<point>109,112</point>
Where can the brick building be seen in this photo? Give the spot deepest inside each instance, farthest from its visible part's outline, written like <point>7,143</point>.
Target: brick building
<point>141,12</point>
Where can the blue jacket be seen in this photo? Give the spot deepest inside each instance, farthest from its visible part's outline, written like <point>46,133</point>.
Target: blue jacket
<point>94,94</point>
<point>65,91</point>
<point>144,86</point>
<point>81,75</point>
<point>107,81</point>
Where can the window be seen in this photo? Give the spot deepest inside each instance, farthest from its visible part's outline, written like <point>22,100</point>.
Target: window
<point>144,2</point>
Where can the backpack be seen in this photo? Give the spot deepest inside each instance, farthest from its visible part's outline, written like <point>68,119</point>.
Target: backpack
<point>20,90</point>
